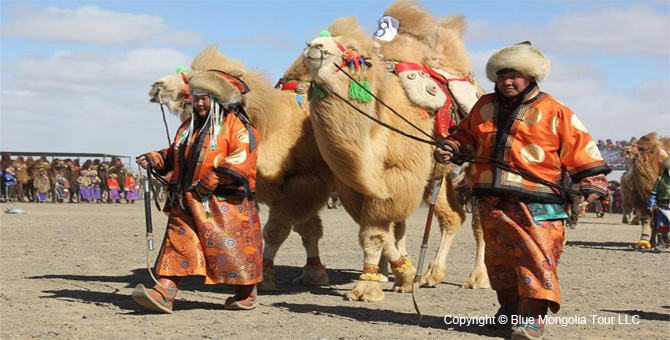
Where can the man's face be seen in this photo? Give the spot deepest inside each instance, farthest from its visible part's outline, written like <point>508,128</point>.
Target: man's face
<point>512,83</point>
<point>201,105</point>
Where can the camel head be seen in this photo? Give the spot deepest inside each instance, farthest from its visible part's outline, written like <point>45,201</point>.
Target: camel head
<point>325,52</point>
<point>172,91</point>
<point>628,153</point>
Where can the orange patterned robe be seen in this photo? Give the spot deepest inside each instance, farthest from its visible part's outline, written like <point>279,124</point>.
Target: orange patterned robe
<point>523,220</point>
<point>218,237</point>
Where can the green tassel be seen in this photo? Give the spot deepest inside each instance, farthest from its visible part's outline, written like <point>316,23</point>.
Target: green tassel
<point>366,96</point>
<point>313,88</point>
<point>353,89</point>
<point>319,91</point>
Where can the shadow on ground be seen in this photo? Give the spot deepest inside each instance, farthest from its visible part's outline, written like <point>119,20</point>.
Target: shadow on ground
<point>618,246</point>
<point>642,314</point>
<point>285,275</point>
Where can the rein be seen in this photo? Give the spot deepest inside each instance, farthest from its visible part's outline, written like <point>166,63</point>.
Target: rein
<point>160,101</point>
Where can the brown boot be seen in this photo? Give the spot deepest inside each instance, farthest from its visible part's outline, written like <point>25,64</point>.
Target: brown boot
<point>245,298</point>
<point>532,328</point>
<point>160,298</point>
<point>509,304</point>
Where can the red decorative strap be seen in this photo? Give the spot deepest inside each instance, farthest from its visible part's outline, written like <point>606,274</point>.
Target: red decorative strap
<point>443,116</point>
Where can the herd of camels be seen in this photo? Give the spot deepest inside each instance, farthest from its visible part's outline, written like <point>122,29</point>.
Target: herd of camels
<point>309,149</point>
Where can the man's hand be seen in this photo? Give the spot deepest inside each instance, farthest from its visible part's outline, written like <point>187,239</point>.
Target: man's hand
<point>142,161</point>
<point>444,155</point>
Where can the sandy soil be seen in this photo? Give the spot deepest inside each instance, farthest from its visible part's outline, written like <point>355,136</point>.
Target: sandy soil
<point>67,271</point>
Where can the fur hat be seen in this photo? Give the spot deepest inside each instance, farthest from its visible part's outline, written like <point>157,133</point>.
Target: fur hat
<point>226,88</point>
<point>522,58</point>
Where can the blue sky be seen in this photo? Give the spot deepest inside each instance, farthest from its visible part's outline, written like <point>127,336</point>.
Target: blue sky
<point>75,75</point>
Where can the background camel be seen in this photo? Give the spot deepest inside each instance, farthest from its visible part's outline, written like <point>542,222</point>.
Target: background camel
<point>293,180</point>
<point>381,176</point>
<point>645,169</point>
<point>627,187</point>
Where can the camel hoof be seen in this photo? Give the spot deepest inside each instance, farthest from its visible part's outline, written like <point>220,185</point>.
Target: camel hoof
<point>312,277</point>
<point>367,291</point>
<point>404,281</point>
<point>434,275</point>
<point>268,284</point>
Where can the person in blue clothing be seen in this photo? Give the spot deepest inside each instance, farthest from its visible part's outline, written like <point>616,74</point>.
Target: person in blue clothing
<point>10,182</point>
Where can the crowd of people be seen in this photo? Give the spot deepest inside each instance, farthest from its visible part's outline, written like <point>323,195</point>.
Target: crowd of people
<point>617,145</point>
<point>64,180</point>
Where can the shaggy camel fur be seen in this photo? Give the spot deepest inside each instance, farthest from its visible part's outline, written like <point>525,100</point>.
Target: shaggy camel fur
<point>645,170</point>
<point>439,44</point>
<point>627,187</point>
<point>382,176</point>
<point>293,180</point>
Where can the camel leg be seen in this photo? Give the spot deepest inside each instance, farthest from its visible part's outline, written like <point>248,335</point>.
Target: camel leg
<point>384,270</point>
<point>373,239</point>
<point>275,232</point>
<point>645,232</point>
<point>399,229</point>
<point>450,216</point>
<point>479,277</point>
<point>401,265</point>
<point>314,272</point>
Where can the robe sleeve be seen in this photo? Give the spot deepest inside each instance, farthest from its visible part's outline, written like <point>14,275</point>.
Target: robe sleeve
<point>161,160</point>
<point>578,153</point>
<point>461,139</point>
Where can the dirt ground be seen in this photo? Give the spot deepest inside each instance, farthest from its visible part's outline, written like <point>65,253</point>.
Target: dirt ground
<point>67,272</point>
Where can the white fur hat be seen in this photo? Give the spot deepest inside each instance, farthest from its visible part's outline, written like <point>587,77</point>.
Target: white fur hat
<point>522,58</point>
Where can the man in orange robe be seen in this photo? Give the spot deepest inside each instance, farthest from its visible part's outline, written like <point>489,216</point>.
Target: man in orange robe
<point>213,227</point>
<point>522,219</point>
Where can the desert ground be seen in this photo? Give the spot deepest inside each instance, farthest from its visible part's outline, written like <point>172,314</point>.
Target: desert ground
<point>67,271</point>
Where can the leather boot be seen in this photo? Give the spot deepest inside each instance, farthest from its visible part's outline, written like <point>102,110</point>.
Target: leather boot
<point>161,297</point>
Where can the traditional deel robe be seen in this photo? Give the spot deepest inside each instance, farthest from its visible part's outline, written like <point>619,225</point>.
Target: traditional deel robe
<point>84,187</point>
<point>129,188</point>
<point>95,187</point>
<point>218,237</point>
<point>42,186</point>
<point>523,220</point>
<point>113,186</point>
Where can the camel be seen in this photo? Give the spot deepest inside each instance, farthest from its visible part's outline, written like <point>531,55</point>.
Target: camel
<point>292,179</point>
<point>645,169</point>
<point>381,176</point>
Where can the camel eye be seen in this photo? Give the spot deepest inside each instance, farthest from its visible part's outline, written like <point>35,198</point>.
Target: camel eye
<point>308,44</point>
